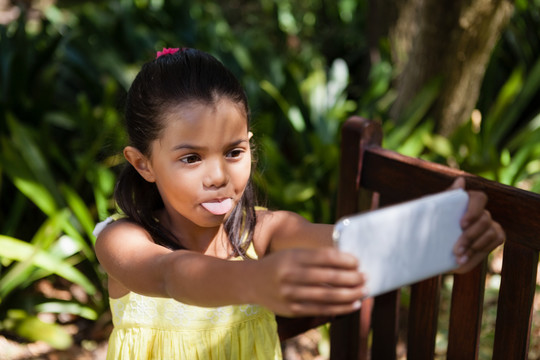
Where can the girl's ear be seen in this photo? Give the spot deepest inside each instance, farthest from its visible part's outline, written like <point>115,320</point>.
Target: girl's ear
<point>139,162</point>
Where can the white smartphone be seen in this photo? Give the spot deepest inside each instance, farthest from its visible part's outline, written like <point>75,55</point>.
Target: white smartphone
<point>405,243</point>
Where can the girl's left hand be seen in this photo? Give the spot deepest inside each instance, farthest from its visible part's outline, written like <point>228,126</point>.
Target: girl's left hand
<point>481,234</point>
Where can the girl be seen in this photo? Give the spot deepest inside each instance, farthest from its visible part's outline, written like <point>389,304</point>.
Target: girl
<point>184,282</point>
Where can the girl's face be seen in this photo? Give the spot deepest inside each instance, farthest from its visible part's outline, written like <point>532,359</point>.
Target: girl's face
<point>201,163</point>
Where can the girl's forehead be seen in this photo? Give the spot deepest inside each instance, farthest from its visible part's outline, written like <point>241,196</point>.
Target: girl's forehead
<point>193,112</point>
<point>199,121</point>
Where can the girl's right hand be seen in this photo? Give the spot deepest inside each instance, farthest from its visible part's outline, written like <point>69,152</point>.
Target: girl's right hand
<point>308,282</point>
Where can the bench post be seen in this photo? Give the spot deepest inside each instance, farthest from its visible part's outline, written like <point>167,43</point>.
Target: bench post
<point>349,333</point>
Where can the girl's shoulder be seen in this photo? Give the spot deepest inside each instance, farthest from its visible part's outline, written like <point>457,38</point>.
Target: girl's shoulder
<point>275,226</point>
<point>278,230</point>
<point>115,234</point>
<point>118,224</point>
<point>279,220</point>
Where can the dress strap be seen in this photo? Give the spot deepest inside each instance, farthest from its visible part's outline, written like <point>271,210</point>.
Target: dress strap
<point>101,225</point>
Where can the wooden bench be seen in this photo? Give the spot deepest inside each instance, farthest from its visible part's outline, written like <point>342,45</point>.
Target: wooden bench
<point>371,177</point>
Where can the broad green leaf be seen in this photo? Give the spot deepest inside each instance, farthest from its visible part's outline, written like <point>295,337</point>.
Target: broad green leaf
<point>297,192</point>
<point>504,99</point>
<point>16,277</point>
<point>528,134</point>
<point>439,144</point>
<point>34,329</point>
<point>296,119</point>
<point>271,90</point>
<point>16,249</point>
<point>37,193</point>
<point>23,272</point>
<point>60,307</point>
<point>79,208</point>
<point>60,119</point>
<point>21,176</point>
<point>72,232</point>
<point>243,57</point>
<point>415,143</point>
<point>524,93</point>
<point>33,157</point>
<point>64,247</point>
<point>412,115</point>
<point>50,230</point>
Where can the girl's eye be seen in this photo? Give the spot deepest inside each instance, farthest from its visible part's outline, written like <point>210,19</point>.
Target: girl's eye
<point>190,159</point>
<point>235,153</point>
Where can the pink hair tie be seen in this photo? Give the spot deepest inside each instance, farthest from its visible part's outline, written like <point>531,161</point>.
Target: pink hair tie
<point>166,51</point>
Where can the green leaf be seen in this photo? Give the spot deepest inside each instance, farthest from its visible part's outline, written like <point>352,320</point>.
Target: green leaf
<point>25,272</point>
<point>79,208</point>
<point>518,93</point>
<point>34,329</point>
<point>19,250</point>
<point>298,192</point>
<point>33,157</point>
<point>296,119</point>
<point>37,193</point>
<point>72,232</point>
<point>60,307</point>
<point>412,115</point>
<point>271,90</point>
<point>439,145</point>
<point>506,96</point>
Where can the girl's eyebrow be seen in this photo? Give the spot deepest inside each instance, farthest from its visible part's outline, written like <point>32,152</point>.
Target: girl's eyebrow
<point>187,146</point>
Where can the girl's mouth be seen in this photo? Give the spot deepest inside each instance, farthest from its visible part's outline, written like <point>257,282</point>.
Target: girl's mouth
<point>218,207</point>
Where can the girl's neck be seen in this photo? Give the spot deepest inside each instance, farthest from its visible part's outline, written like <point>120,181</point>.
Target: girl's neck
<point>209,241</point>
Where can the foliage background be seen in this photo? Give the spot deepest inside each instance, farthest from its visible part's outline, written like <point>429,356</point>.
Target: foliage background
<point>65,68</point>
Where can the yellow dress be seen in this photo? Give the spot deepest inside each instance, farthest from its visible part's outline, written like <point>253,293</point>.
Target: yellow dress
<point>162,328</point>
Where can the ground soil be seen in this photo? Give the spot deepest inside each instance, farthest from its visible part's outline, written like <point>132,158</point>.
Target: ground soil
<point>303,347</point>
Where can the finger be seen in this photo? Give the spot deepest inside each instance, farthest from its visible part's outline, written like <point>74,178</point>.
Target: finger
<point>322,294</point>
<point>484,244</point>
<point>474,231</point>
<point>329,276</point>
<point>328,257</point>
<point>475,208</point>
<point>322,300</point>
<point>482,247</point>
<point>318,309</point>
<point>459,183</point>
<point>471,263</point>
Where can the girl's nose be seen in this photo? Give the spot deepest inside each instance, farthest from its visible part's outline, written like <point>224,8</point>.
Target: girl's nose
<point>216,174</point>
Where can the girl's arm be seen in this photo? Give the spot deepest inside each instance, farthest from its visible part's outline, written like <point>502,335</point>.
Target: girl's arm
<point>481,234</point>
<point>294,282</point>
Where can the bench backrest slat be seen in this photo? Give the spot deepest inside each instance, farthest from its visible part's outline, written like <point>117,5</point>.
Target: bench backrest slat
<point>466,313</point>
<point>515,305</point>
<point>386,325</point>
<point>422,320</point>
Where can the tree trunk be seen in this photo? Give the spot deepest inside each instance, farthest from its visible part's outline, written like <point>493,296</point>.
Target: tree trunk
<point>448,39</point>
